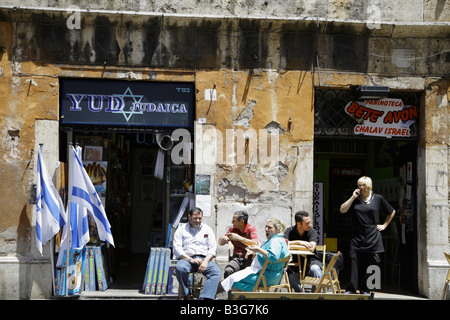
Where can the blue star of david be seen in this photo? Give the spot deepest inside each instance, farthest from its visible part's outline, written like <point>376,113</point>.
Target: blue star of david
<point>136,98</point>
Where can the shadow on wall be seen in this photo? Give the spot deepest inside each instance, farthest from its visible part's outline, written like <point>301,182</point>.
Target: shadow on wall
<point>34,273</point>
<point>23,246</point>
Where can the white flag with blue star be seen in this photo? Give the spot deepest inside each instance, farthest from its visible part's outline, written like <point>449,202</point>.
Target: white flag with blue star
<point>50,213</point>
<point>82,192</point>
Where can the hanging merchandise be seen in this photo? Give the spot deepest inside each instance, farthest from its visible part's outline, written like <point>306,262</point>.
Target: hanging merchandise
<point>402,220</point>
<point>409,173</point>
<point>159,167</point>
<point>187,203</point>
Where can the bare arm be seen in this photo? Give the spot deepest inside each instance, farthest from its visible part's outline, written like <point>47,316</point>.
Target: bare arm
<point>223,240</point>
<point>388,220</point>
<point>236,237</point>
<point>302,245</point>
<point>347,204</point>
<point>203,263</point>
<point>255,249</point>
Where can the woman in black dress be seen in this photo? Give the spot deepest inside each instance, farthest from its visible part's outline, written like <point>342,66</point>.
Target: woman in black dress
<point>366,242</point>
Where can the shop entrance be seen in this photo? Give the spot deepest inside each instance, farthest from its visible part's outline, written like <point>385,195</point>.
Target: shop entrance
<point>340,170</point>
<point>341,158</point>
<point>125,129</point>
<point>139,204</point>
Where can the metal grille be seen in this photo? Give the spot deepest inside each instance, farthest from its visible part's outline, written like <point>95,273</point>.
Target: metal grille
<point>330,118</point>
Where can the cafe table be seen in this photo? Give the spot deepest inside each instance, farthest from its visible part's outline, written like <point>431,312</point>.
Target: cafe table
<point>299,252</point>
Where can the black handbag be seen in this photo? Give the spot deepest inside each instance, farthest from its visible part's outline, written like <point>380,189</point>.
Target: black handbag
<point>339,265</point>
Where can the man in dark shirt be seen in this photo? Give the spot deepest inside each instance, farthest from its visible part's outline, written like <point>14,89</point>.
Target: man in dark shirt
<point>303,236</point>
<point>241,234</point>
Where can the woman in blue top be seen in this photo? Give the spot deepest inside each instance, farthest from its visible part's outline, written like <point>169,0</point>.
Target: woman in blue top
<point>274,249</point>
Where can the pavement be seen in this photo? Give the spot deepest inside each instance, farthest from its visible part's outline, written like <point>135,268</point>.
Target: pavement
<point>133,294</point>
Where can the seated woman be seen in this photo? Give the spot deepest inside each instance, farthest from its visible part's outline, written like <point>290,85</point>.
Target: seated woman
<point>274,249</point>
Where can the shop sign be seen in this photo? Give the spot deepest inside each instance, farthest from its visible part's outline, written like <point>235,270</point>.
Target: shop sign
<point>383,118</point>
<point>318,210</point>
<point>130,103</point>
<point>347,172</point>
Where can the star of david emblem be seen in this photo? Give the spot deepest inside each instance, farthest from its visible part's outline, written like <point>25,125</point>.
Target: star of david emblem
<point>136,99</point>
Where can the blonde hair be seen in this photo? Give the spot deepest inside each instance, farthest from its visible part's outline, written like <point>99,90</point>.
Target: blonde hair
<point>365,180</point>
<point>279,226</point>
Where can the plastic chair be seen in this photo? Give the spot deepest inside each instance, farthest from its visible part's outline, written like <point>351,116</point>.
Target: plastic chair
<point>262,277</point>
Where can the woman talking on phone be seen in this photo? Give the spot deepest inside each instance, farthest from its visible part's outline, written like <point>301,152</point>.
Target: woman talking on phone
<point>366,242</point>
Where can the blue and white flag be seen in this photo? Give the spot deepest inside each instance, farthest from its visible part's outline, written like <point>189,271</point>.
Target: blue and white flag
<point>78,218</point>
<point>50,213</point>
<point>82,192</point>
<point>79,226</point>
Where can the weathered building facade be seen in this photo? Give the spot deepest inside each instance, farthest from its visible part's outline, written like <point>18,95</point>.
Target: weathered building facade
<point>256,66</point>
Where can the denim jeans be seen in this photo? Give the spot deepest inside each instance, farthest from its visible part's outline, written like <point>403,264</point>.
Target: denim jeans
<point>314,271</point>
<point>212,274</point>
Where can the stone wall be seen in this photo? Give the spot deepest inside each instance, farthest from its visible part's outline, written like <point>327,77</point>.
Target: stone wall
<point>371,11</point>
<point>225,43</point>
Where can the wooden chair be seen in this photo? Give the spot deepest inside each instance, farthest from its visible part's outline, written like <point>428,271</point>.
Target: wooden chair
<point>298,263</point>
<point>262,277</point>
<point>447,281</point>
<point>328,280</point>
<point>324,250</point>
<point>230,250</point>
<point>195,285</point>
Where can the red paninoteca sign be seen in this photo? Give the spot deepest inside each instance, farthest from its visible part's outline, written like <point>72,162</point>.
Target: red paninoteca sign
<point>383,118</point>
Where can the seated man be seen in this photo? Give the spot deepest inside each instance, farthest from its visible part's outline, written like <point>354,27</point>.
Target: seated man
<point>194,244</point>
<point>241,234</point>
<point>303,237</point>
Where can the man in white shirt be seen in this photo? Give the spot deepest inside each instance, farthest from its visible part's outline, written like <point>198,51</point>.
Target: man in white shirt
<point>194,245</point>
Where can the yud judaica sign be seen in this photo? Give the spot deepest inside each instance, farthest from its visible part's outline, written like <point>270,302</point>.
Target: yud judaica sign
<point>130,103</point>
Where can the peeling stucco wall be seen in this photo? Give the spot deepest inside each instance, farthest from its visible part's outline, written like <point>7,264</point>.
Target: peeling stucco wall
<point>247,102</point>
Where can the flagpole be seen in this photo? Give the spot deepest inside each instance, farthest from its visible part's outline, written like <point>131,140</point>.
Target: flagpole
<point>69,233</point>
<point>52,263</point>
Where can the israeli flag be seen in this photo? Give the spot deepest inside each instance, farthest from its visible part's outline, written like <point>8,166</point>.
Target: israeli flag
<point>82,192</point>
<point>79,226</point>
<point>50,213</point>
